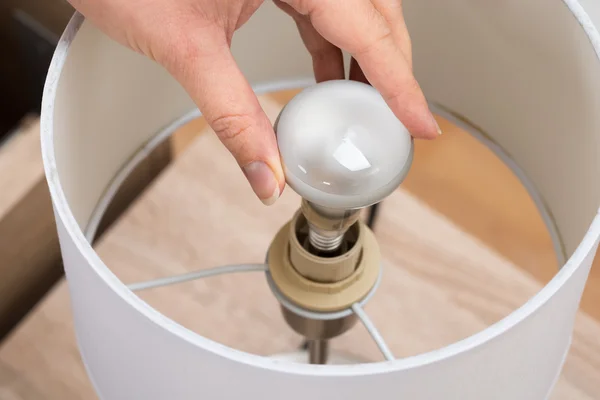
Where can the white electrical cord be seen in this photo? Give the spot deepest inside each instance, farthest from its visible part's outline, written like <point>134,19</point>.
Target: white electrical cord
<point>366,321</point>
<point>205,273</point>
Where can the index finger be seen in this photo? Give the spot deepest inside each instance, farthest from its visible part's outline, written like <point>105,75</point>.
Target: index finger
<point>385,67</point>
<point>358,27</point>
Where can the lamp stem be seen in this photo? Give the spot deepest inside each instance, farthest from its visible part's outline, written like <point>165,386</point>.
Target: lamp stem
<point>372,216</point>
<point>318,350</point>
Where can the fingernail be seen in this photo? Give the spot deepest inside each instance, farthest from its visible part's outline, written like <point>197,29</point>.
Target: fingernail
<point>439,130</point>
<point>263,182</point>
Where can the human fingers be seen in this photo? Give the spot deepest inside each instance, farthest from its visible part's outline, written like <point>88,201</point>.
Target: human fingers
<point>328,62</point>
<point>392,12</point>
<point>358,27</point>
<point>207,70</point>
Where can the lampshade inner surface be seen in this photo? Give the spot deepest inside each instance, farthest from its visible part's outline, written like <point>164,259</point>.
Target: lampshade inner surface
<point>525,73</point>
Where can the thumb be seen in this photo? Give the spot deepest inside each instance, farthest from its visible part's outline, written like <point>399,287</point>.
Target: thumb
<point>208,72</point>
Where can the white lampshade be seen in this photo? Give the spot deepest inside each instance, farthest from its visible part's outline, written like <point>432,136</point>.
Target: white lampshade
<point>524,75</point>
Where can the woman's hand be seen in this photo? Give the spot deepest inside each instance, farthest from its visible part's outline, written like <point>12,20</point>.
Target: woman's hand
<point>191,39</point>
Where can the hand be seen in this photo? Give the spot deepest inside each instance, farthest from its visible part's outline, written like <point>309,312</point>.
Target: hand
<point>191,39</point>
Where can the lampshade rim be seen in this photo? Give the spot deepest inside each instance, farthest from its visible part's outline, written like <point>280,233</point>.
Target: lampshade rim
<point>65,215</point>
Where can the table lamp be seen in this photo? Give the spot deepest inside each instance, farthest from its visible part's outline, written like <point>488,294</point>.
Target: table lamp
<point>523,77</point>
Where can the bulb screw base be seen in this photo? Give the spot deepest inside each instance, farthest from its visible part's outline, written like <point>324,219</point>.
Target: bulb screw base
<point>327,242</point>
<point>327,227</point>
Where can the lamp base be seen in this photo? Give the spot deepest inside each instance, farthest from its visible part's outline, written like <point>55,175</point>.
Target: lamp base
<point>334,358</point>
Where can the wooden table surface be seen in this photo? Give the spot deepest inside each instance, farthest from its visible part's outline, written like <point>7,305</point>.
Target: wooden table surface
<point>30,261</point>
<point>441,282</point>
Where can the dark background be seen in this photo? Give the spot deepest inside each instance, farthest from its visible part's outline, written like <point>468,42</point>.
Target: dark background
<point>29,31</point>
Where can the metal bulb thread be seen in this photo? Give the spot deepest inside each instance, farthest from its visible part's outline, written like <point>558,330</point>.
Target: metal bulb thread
<point>327,243</point>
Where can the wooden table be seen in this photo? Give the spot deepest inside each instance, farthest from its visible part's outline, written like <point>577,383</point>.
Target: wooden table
<point>30,261</point>
<point>440,283</point>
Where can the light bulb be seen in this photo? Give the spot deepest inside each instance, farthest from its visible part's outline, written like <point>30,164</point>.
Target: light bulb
<point>341,145</point>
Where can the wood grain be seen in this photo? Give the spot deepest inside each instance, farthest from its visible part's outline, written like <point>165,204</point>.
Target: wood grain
<point>440,281</point>
<point>29,249</point>
<point>28,244</point>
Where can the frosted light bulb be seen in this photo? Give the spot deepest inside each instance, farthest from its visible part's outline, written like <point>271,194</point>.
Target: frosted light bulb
<point>341,145</point>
